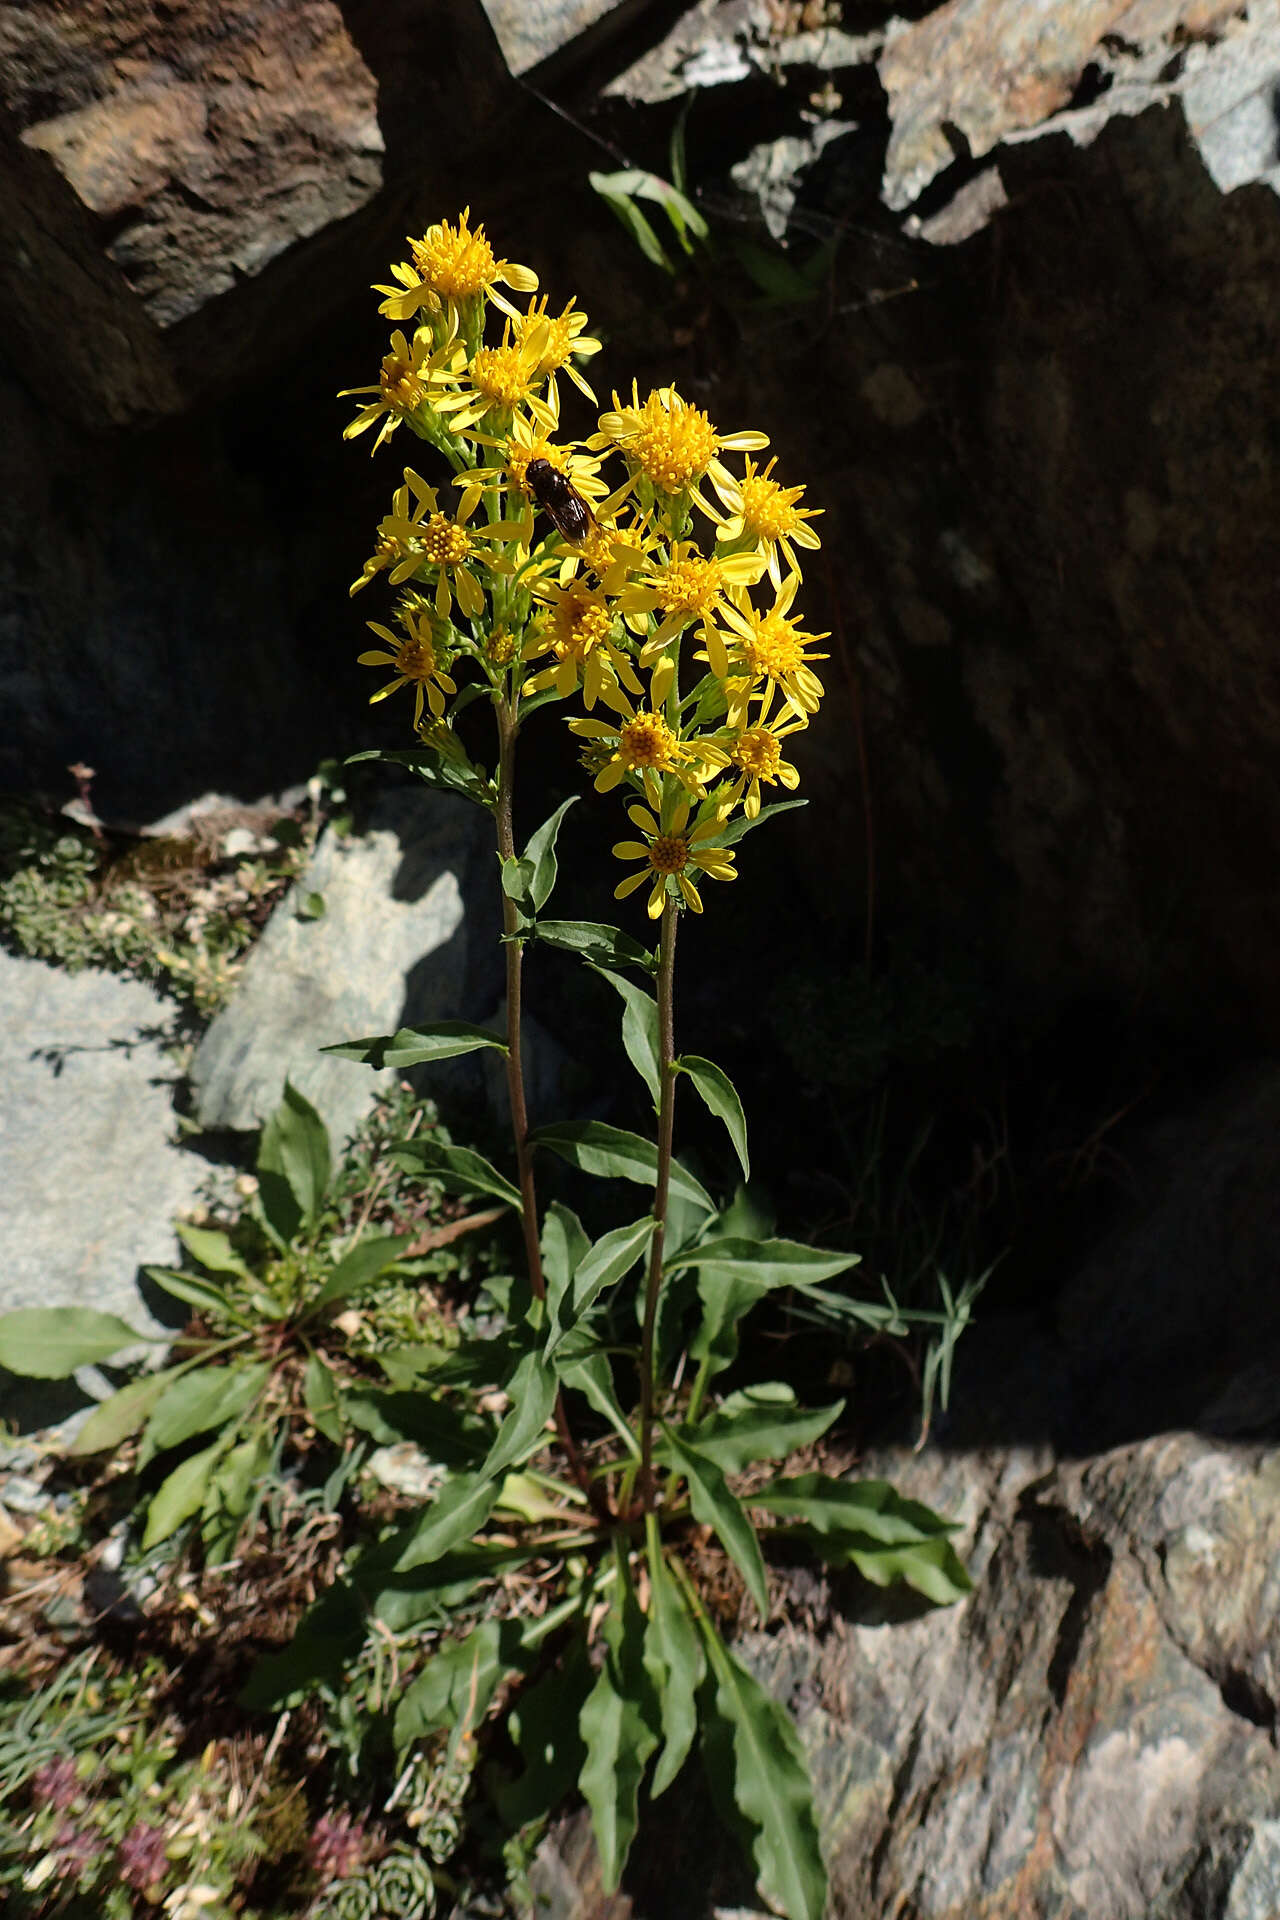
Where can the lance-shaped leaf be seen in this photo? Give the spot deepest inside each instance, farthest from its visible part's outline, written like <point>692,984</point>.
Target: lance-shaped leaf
<point>564,1241</point>
<point>49,1343</point>
<point>759,1423</point>
<point>540,855</point>
<point>455,1516</point>
<point>619,1724</point>
<point>593,940</point>
<point>867,1524</point>
<point>458,1683</point>
<point>613,1153</point>
<point>213,1250</point>
<point>742,825</point>
<point>544,1726</point>
<point>639,1030</point>
<point>412,1046</point>
<point>451,776</point>
<point>613,1255</point>
<point>293,1164</point>
<point>209,1397</point>
<point>673,1657</point>
<point>532,1391</point>
<point>721,1097</point>
<point>733,1274</point>
<point>444,1429</point>
<point>123,1414</point>
<point>195,1292</point>
<point>716,1507</point>
<point>365,1261</point>
<point>770,1787</point>
<point>592,1376</point>
<point>458,1169</point>
<point>321,1398</point>
<point>181,1495</point>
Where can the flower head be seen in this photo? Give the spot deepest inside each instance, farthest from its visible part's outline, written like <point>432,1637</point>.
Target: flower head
<point>562,339</point>
<point>579,633</point>
<point>453,266</point>
<point>756,754</point>
<point>336,1846</point>
<point>405,383</point>
<point>765,513</point>
<point>419,660</point>
<point>143,1860</point>
<point>676,852</point>
<point>770,647</point>
<point>428,539</point>
<point>688,586</point>
<point>498,381</point>
<point>56,1784</point>
<point>669,443</point>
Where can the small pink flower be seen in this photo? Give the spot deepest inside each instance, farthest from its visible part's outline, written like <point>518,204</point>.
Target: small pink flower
<point>142,1859</point>
<point>337,1845</point>
<point>56,1785</point>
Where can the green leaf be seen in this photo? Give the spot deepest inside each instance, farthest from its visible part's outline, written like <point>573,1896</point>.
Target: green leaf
<point>594,941</point>
<point>869,1525</point>
<point>760,1423</point>
<point>771,1787</point>
<point>782,283</point>
<point>198,1293</point>
<point>516,878</point>
<point>49,1343</point>
<point>321,1398</point>
<point>411,1046</point>
<point>532,1391</point>
<point>673,1657</point>
<point>212,1250</point>
<point>456,1515</point>
<point>181,1495</point>
<point>540,855</point>
<point>592,1376</point>
<point>742,825</point>
<point>616,1154</point>
<point>458,1169</point>
<point>639,1030</point>
<point>451,776</point>
<point>209,1397</point>
<point>733,1274</point>
<point>444,1430</point>
<point>293,1164</point>
<point>365,1261</point>
<point>459,1681</point>
<point>619,1725</point>
<point>635,222</point>
<point>716,1507</point>
<point>329,1634</point>
<point>721,1097</point>
<point>235,1486</point>
<point>123,1414</point>
<point>312,906</point>
<point>544,1726</point>
<point>613,1255</point>
<point>564,1241</point>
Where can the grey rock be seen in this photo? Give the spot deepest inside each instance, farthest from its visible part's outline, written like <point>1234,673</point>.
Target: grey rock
<point>391,948</point>
<point>89,1169</point>
<point>531,31</point>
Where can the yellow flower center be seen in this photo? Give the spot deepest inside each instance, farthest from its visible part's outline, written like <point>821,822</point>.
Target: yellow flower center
<point>669,853</point>
<point>500,374</point>
<point>671,446</point>
<point>775,649</point>
<point>768,510</point>
<point>758,753</point>
<point>501,646</point>
<point>519,457</point>
<point>443,542</point>
<point>579,624</point>
<point>690,586</point>
<point>416,659</point>
<point>647,741</point>
<point>455,261</point>
<point>401,386</point>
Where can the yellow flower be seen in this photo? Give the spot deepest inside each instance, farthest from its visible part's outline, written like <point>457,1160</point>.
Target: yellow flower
<point>427,537</point>
<point>770,647</point>
<point>405,383</point>
<point>579,634</point>
<point>500,380</point>
<point>417,660</point>
<point>672,853</point>
<point>756,752</point>
<point>562,340</point>
<point>688,586</point>
<point>670,443</point>
<point>453,266</point>
<point>642,740</point>
<point>764,512</point>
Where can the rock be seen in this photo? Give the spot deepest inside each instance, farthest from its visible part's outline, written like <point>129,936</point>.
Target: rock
<point>88,1163</point>
<point>392,947</point>
<point>533,31</point>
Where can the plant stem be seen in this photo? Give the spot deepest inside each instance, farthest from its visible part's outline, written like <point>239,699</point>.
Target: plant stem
<point>514,950</point>
<point>508,727</point>
<point>666,1129</point>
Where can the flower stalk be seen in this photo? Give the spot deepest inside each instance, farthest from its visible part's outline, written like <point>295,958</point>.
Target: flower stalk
<point>666,1134</point>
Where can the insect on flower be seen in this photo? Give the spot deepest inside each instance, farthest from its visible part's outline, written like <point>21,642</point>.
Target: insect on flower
<point>559,500</point>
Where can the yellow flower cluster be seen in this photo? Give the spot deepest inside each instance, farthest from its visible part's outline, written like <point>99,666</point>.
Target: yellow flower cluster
<point>575,567</point>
